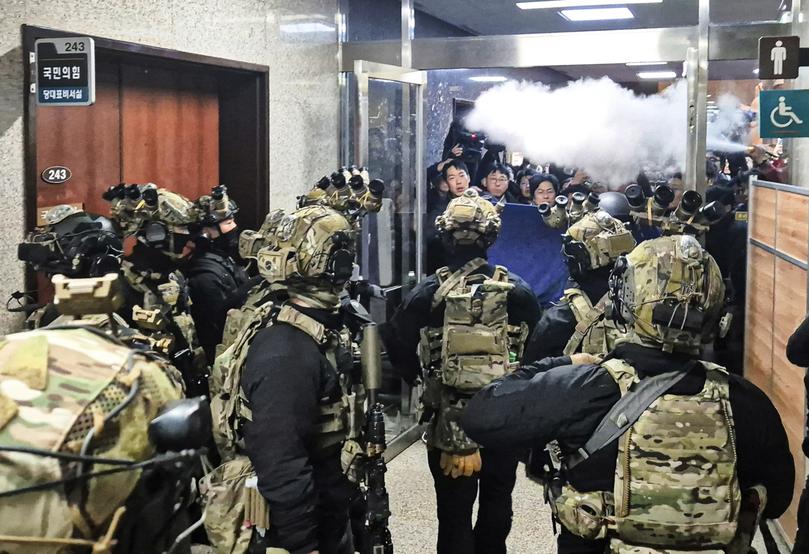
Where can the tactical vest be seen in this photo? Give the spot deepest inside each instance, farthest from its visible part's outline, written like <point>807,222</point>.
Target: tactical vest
<point>230,492</point>
<point>237,318</point>
<point>475,346</point>
<point>57,386</point>
<point>595,334</point>
<point>676,487</point>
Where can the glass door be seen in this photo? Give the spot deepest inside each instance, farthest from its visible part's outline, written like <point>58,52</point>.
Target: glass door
<point>383,129</point>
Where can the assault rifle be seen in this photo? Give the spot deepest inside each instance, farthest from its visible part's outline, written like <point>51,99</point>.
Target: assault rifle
<point>376,537</point>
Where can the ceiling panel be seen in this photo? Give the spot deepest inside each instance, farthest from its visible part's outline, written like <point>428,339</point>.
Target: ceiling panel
<point>503,17</point>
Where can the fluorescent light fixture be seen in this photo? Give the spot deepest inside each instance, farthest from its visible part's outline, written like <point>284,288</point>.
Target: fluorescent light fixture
<point>755,71</point>
<point>597,14</point>
<point>309,27</point>
<point>489,78</point>
<point>645,64</point>
<point>561,4</point>
<point>658,75</point>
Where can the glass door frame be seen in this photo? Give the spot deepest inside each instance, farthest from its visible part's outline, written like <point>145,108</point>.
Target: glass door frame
<point>364,71</point>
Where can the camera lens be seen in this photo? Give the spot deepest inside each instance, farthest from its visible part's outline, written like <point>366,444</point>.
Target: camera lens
<point>635,197</point>
<point>664,195</point>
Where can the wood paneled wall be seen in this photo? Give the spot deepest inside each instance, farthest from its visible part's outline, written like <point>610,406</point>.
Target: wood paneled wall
<point>776,305</point>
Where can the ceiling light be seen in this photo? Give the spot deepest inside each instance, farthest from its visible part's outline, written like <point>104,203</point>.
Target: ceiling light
<point>489,78</point>
<point>755,71</point>
<point>645,64</point>
<point>310,27</point>
<point>658,75</point>
<point>597,14</point>
<point>561,4</point>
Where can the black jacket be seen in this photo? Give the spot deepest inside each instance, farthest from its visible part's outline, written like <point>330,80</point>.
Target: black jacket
<point>214,282</point>
<point>536,404</point>
<point>285,379</point>
<point>401,334</point>
<point>726,241</point>
<point>798,345</point>
<point>558,323</point>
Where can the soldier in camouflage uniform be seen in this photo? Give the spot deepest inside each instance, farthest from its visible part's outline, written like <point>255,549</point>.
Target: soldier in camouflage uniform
<point>287,404</point>
<point>214,276</point>
<point>71,243</point>
<point>465,326</point>
<point>661,452</point>
<point>76,401</point>
<point>577,323</point>
<point>155,291</point>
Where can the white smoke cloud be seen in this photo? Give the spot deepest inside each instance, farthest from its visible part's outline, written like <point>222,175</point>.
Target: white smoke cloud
<point>596,125</point>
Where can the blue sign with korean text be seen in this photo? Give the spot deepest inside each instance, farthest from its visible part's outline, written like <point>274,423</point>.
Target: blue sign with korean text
<point>65,70</point>
<point>784,113</point>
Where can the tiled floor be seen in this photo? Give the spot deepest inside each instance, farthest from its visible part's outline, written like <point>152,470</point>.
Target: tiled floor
<point>412,498</point>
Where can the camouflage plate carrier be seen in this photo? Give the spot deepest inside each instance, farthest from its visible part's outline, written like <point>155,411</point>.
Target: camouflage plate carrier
<point>164,308</point>
<point>57,386</point>
<point>595,333</point>
<point>234,506</point>
<point>475,346</point>
<point>676,487</point>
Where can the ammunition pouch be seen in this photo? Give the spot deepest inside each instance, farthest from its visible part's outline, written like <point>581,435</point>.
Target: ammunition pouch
<point>233,506</point>
<point>584,514</point>
<point>151,320</point>
<point>475,355</point>
<point>170,292</point>
<point>352,458</point>
<point>446,433</point>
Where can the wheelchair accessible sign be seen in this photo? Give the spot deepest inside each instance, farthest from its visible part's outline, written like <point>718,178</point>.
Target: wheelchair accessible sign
<point>784,113</point>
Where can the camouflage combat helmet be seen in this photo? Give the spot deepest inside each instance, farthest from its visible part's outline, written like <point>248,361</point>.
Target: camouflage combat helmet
<point>158,217</point>
<point>216,207</point>
<point>596,241</point>
<point>470,219</point>
<point>670,291</point>
<point>250,242</point>
<point>312,253</point>
<point>73,243</point>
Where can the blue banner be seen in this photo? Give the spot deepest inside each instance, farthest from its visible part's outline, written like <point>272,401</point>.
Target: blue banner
<point>532,250</point>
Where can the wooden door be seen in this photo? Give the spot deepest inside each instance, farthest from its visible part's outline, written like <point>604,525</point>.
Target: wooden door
<point>87,140</point>
<point>170,130</point>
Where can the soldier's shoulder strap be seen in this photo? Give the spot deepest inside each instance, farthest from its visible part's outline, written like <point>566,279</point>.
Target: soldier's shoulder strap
<point>289,315</point>
<point>626,411</point>
<point>449,282</point>
<point>586,315</point>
